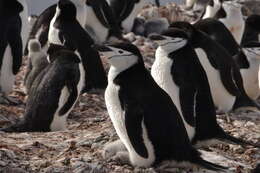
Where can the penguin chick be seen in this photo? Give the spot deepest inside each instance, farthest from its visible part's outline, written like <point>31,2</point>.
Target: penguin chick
<point>37,61</point>
<point>53,95</point>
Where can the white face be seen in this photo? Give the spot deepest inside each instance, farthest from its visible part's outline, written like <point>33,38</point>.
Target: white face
<point>252,52</point>
<point>171,44</point>
<point>120,59</point>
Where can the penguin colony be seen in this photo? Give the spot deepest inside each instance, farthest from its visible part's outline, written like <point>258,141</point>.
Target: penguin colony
<point>163,115</point>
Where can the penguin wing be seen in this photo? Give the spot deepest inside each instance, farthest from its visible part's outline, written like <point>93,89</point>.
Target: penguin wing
<point>134,117</point>
<point>122,8</point>
<point>71,83</point>
<point>16,44</point>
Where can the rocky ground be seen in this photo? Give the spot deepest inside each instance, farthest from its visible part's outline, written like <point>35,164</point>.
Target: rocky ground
<point>79,148</point>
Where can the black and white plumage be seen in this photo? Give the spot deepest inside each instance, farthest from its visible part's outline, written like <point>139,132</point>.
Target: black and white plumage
<point>247,63</point>
<point>224,77</point>
<point>10,43</point>
<point>65,30</point>
<point>126,11</point>
<point>178,71</point>
<point>213,8</point>
<point>101,23</point>
<point>252,29</point>
<point>25,23</point>
<point>138,107</point>
<point>37,61</point>
<point>52,96</point>
<point>40,28</point>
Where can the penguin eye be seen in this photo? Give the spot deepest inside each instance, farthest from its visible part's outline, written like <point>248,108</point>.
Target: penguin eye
<point>120,51</point>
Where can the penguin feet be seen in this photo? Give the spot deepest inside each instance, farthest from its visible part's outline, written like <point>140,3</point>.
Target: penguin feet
<point>113,148</point>
<point>122,157</point>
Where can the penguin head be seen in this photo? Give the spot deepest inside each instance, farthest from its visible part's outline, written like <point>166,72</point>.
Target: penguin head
<point>190,30</point>
<point>10,8</point>
<point>121,56</point>
<point>66,10</point>
<point>252,50</point>
<point>171,39</point>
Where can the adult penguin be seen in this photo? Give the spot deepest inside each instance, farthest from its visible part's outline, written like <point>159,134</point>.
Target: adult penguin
<point>53,94</point>
<point>134,101</point>
<point>40,28</point>
<point>25,23</point>
<point>65,30</point>
<point>127,10</point>
<point>224,77</point>
<point>177,70</point>
<point>247,63</point>
<point>101,23</point>
<point>10,45</point>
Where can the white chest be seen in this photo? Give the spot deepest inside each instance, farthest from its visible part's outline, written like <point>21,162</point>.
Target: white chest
<point>222,99</point>
<point>100,31</point>
<point>161,72</point>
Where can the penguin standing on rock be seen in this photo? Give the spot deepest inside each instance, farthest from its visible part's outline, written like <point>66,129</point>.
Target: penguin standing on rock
<point>37,61</point>
<point>101,23</point>
<point>40,28</point>
<point>223,74</point>
<point>66,31</point>
<point>137,106</point>
<point>178,71</point>
<point>127,10</point>
<point>53,94</point>
<point>10,45</point>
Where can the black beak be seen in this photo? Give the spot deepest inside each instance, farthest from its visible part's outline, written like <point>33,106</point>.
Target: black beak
<point>157,3</point>
<point>101,48</point>
<point>156,37</point>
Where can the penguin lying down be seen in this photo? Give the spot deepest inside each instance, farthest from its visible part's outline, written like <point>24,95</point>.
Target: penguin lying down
<point>178,71</point>
<point>146,120</point>
<point>53,94</point>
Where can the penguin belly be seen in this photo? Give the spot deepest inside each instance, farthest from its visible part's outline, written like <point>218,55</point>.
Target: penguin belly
<point>161,72</point>
<point>223,100</point>
<point>59,122</point>
<point>101,32</point>
<point>7,77</point>
<point>117,117</point>
<point>251,80</point>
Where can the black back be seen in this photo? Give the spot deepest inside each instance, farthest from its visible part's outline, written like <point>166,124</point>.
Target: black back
<point>106,16</point>
<point>144,101</point>
<point>252,29</point>
<point>217,31</point>
<point>10,32</point>
<point>41,26</point>
<point>75,38</point>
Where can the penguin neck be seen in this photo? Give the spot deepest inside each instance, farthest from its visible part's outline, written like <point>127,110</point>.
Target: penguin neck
<point>211,11</point>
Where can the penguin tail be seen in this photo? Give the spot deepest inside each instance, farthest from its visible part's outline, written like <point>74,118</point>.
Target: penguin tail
<point>206,164</point>
<point>233,140</point>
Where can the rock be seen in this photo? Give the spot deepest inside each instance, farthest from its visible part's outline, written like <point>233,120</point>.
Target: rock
<point>91,168</point>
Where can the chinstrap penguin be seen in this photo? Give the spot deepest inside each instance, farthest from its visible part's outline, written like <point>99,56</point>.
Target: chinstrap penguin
<point>11,46</point>
<point>223,74</point>
<point>40,28</point>
<point>37,61</point>
<point>101,23</point>
<point>136,106</point>
<point>248,66</point>
<point>127,10</point>
<point>53,94</point>
<point>178,71</point>
<point>65,30</point>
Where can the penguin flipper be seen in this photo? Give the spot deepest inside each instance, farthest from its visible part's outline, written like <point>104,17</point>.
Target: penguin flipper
<point>71,84</point>
<point>134,120</point>
<point>100,9</point>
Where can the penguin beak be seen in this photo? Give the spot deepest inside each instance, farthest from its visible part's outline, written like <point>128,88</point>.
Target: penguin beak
<point>157,3</point>
<point>101,48</point>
